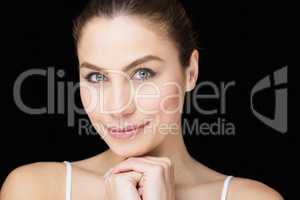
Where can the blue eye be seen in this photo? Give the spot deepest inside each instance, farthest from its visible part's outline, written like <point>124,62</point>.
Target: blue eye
<point>143,74</point>
<point>140,74</point>
<point>95,77</point>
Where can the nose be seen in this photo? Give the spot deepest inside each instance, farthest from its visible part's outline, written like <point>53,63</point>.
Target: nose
<point>121,99</point>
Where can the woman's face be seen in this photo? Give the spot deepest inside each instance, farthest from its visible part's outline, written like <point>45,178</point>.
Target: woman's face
<point>130,74</point>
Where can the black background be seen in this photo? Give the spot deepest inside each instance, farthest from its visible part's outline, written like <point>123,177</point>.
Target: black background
<point>239,42</point>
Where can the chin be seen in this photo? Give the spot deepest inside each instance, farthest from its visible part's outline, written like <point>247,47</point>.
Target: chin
<point>140,148</point>
<point>130,151</point>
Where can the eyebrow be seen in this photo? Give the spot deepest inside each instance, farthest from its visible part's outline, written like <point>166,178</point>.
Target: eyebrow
<point>139,61</point>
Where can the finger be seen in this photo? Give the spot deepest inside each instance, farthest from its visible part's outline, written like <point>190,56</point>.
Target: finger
<point>134,164</point>
<point>140,191</point>
<point>135,175</point>
<point>169,174</point>
<point>167,165</point>
<point>156,162</point>
<point>164,161</point>
<point>159,159</point>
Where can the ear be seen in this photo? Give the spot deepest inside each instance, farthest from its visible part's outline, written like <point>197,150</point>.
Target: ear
<point>191,73</point>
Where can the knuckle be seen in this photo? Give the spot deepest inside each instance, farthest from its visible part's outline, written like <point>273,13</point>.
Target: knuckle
<point>115,177</point>
<point>158,170</point>
<point>168,161</point>
<point>165,166</point>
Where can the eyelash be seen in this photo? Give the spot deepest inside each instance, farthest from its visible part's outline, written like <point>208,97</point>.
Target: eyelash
<point>151,73</point>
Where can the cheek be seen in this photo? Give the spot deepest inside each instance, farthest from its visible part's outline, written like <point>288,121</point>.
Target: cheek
<point>147,98</point>
<point>170,99</point>
<point>90,98</point>
<point>170,108</point>
<point>85,96</point>
<point>165,99</point>
<point>171,103</point>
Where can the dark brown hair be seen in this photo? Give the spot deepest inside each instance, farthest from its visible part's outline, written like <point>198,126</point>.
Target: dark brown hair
<point>169,14</point>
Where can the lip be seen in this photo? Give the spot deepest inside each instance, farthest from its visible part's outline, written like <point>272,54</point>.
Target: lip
<point>127,132</point>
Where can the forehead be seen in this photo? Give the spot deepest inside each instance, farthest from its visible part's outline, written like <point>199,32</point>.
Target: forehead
<point>120,40</point>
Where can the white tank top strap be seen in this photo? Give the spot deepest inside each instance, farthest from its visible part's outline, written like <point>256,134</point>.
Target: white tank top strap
<point>68,180</point>
<point>225,187</point>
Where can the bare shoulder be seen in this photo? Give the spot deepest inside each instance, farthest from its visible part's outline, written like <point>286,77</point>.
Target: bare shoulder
<point>242,188</point>
<point>34,181</point>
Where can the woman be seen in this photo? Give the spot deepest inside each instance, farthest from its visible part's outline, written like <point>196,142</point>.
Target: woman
<point>137,60</point>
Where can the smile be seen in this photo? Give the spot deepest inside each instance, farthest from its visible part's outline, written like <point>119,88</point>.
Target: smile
<point>127,132</point>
